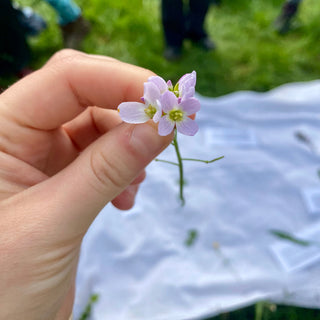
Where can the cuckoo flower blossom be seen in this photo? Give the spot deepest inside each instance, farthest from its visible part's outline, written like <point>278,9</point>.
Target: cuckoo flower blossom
<point>170,106</point>
<point>185,87</point>
<point>160,83</point>
<point>187,84</point>
<point>176,114</point>
<point>149,108</point>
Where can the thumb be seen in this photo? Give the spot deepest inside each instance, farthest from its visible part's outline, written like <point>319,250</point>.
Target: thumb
<point>74,196</point>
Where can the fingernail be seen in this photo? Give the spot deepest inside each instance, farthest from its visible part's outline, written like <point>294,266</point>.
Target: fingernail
<point>146,140</point>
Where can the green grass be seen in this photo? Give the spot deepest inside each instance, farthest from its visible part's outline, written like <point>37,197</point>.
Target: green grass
<point>269,311</point>
<point>250,55</point>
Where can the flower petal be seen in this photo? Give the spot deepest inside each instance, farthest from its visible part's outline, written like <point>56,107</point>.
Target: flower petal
<point>157,115</point>
<point>133,112</point>
<point>168,100</point>
<point>187,82</point>
<point>189,93</point>
<point>188,127</point>
<point>189,79</point>
<point>159,82</point>
<point>165,126</point>
<point>151,92</point>
<point>190,106</point>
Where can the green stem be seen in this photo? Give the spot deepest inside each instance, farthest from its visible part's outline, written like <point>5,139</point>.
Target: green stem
<point>188,159</point>
<point>87,311</point>
<point>180,165</point>
<point>204,161</point>
<point>165,161</point>
<point>181,181</point>
<point>259,310</point>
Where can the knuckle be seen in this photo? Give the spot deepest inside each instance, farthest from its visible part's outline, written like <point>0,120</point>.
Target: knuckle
<point>65,64</point>
<point>64,55</point>
<point>106,172</point>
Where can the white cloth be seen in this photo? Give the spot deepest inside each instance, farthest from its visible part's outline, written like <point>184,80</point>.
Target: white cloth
<point>137,261</point>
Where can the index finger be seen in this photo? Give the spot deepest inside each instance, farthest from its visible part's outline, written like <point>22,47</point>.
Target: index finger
<point>62,89</point>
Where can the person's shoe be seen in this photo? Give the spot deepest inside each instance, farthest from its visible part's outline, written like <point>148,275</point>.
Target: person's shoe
<point>74,32</point>
<point>172,53</point>
<point>205,43</point>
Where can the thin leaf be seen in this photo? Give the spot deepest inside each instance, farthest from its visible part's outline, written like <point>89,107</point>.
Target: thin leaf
<point>192,236</point>
<point>289,237</point>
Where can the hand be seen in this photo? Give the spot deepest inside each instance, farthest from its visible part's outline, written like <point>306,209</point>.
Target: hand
<point>64,154</point>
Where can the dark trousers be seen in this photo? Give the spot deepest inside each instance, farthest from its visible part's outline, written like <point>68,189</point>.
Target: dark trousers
<point>290,7</point>
<point>14,50</point>
<point>180,22</point>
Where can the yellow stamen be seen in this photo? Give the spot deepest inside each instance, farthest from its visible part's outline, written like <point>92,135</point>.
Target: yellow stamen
<point>150,111</point>
<point>176,115</point>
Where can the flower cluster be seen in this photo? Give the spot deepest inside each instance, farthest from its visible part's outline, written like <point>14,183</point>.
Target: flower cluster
<point>170,106</point>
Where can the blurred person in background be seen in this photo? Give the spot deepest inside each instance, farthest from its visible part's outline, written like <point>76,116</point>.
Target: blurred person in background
<point>18,23</point>
<point>73,26</point>
<point>14,50</point>
<point>182,22</point>
<point>288,12</point>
